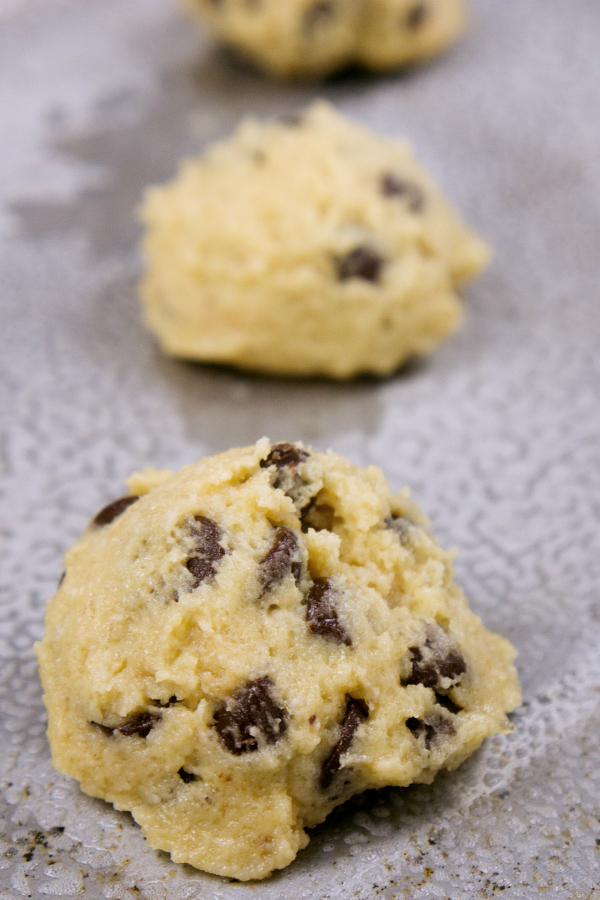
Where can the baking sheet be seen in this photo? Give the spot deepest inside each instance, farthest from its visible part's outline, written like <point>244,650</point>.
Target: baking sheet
<point>497,434</point>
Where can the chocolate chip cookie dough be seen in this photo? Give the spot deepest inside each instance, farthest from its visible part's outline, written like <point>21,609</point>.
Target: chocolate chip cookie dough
<point>313,38</point>
<point>238,648</point>
<point>304,246</point>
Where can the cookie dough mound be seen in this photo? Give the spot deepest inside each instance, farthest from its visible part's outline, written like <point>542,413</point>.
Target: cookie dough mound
<point>313,38</point>
<point>304,246</point>
<point>240,647</point>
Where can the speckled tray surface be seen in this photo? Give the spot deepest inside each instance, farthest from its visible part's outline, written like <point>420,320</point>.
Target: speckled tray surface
<point>497,434</point>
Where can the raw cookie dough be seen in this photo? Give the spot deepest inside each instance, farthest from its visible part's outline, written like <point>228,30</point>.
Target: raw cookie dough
<point>313,38</point>
<point>238,648</point>
<point>304,246</point>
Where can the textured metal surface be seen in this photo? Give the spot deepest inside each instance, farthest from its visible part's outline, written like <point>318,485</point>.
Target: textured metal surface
<point>497,434</point>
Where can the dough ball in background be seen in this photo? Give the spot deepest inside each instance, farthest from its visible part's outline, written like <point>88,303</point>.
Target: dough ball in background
<point>304,246</point>
<point>313,38</point>
<point>238,648</point>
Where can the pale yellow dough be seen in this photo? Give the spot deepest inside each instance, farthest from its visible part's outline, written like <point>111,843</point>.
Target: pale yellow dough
<point>141,669</point>
<point>313,38</point>
<point>252,252</point>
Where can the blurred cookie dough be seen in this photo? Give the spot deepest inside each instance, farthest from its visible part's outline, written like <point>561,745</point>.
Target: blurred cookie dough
<point>304,246</point>
<point>238,648</point>
<point>313,38</point>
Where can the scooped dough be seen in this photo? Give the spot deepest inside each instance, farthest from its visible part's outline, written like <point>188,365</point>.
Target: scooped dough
<point>312,38</point>
<point>240,647</point>
<point>304,246</point>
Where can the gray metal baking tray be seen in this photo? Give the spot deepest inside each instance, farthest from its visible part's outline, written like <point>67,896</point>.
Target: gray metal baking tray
<point>497,434</point>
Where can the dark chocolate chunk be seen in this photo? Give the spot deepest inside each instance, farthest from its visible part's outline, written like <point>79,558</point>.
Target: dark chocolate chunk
<point>285,458</point>
<point>447,703</point>
<point>207,552</point>
<point>188,777</point>
<point>201,569</point>
<point>61,579</point>
<point>393,186</point>
<point>362,262</point>
<point>284,455</point>
<point>417,15</point>
<point>431,727</point>
<point>283,557</point>
<point>109,513</point>
<point>321,613</point>
<point>140,725</point>
<point>250,710</point>
<point>357,711</point>
<point>319,12</point>
<point>207,535</point>
<point>137,725</point>
<point>437,660</point>
<point>430,671</point>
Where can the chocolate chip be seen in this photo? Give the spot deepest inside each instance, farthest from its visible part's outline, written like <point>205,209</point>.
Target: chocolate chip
<point>362,262</point>
<point>285,458</point>
<point>447,703</point>
<point>188,777</point>
<point>437,663</point>
<point>250,710</point>
<point>207,535</point>
<point>431,727</point>
<point>321,613</point>
<point>137,725</point>
<point>108,513</point>
<point>284,455</point>
<point>319,12</point>
<point>201,569</point>
<point>393,186</point>
<point>356,712</point>
<point>283,557</point>
<point>61,579</point>
<point>140,725</point>
<point>417,15</point>
<point>207,551</point>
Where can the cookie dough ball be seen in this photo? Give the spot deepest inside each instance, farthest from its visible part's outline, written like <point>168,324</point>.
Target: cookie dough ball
<point>313,38</point>
<point>304,246</point>
<point>240,647</point>
<point>393,33</point>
